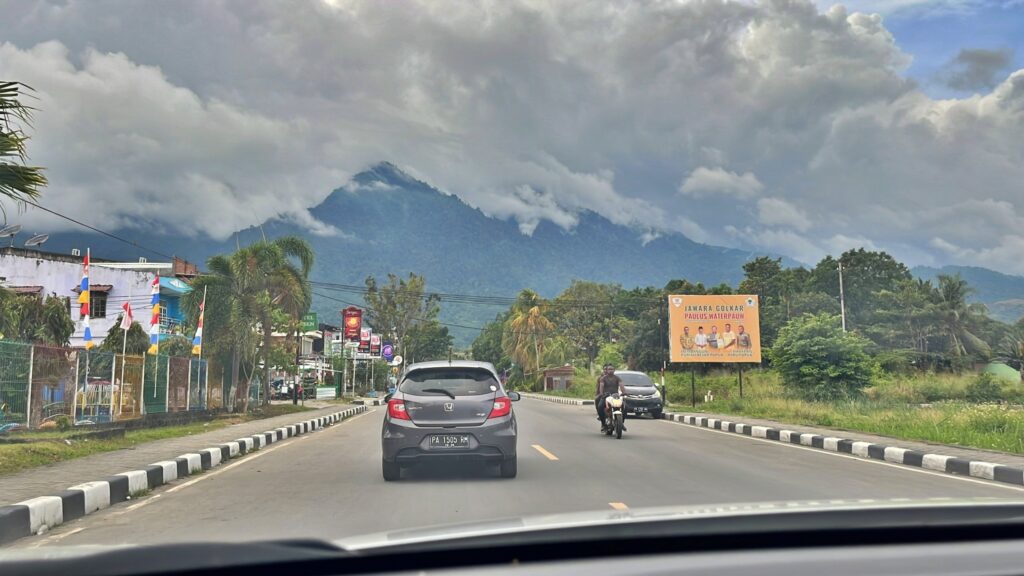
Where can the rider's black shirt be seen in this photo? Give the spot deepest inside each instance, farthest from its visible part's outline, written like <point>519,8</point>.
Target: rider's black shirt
<point>608,384</point>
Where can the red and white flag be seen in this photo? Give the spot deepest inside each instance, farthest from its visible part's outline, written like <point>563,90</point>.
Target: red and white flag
<point>127,318</point>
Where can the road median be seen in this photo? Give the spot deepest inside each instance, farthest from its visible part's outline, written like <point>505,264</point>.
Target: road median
<point>558,399</point>
<point>38,515</point>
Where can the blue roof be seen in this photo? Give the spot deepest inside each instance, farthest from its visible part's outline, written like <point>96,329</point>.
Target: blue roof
<point>174,286</point>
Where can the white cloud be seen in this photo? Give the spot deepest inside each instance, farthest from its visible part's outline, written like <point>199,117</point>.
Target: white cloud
<point>210,116</point>
<point>704,182</point>
<point>778,212</point>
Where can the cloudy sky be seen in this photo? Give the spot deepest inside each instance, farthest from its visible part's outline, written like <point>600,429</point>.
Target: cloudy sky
<point>793,126</point>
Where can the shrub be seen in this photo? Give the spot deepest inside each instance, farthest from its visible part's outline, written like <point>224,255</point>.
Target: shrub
<point>817,360</point>
<point>985,388</point>
<point>63,423</point>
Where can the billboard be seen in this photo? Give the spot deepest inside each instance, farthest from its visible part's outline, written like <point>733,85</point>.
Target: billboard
<point>375,345</point>
<point>714,328</point>
<point>364,340</point>
<point>352,322</point>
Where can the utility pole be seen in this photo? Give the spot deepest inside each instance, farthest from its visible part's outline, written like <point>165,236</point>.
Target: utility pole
<point>298,351</point>
<point>842,296</point>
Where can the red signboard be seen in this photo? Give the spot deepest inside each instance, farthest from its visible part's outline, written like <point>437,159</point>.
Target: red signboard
<point>352,320</point>
<point>364,340</point>
<point>375,345</point>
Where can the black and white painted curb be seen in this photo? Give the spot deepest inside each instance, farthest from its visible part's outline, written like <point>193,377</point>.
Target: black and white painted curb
<point>37,515</point>
<point>894,454</point>
<point>559,399</point>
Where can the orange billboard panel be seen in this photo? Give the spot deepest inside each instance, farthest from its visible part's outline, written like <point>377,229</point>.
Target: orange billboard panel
<point>714,328</point>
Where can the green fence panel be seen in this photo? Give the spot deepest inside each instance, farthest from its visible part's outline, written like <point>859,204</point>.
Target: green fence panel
<point>15,362</point>
<point>154,386</point>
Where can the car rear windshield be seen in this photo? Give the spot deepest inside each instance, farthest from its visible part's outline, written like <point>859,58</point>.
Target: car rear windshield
<point>455,381</point>
<point>635,379</point>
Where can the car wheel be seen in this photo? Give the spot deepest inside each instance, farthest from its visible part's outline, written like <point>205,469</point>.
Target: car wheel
<point>392,471</point>
<point>508,468</point>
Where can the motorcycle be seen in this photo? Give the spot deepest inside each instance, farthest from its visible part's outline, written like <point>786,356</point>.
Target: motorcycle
<point>613,410</point>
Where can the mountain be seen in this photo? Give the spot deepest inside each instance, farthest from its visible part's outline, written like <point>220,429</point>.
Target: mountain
<point>394,223</point>
<point>1002,293</point>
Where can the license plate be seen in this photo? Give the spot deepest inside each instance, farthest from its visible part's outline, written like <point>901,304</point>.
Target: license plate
<point>449,441</point>
<point>640,410</point>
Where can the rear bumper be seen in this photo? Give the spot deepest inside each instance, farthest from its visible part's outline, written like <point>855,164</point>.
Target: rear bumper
<point>403,441</point>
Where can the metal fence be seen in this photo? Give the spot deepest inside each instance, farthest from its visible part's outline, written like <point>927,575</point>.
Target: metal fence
<point>40,384</point>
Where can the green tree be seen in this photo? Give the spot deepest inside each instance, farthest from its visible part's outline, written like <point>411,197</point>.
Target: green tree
<point>428,341</point>
<point>177,346</point>
<point>817,360</point>
<point>18,181</point>
<point>1011,349</point>
<point>245,290</point>
<point>487,346</point>
<point>611,354</point>
<point>31,318</point>
<point>138,340</point>
<point>56,326</point>
<point>584,313</point>
<point>864,274</point>
<point>527,330</point>
<point>394,308</point>
<point>955,317</point>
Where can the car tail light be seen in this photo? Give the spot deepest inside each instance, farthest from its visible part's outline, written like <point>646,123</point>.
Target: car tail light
<point>502,407</point>
<point>396,409</point>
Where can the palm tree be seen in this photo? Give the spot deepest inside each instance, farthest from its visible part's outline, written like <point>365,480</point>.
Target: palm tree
<point>527,331</point>
<point>17,181</point>
<point>244,289</point>
<point>1011,349</point>
<point>955,315</point>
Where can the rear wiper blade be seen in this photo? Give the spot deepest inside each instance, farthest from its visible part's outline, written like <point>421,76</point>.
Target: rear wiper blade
<point>439,391</point>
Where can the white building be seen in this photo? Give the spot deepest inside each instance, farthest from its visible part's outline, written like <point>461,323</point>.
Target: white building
<point>111,284</point>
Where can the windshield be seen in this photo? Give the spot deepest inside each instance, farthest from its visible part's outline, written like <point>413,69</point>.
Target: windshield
<point>450,382</point>
<point>330,269</point>
<point>635,379</point>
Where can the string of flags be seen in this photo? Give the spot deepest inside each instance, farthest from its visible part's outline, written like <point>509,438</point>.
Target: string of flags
<point>83,300</point>
<point>128,317</point>
<point>197,342</point>
<point>154,319</point>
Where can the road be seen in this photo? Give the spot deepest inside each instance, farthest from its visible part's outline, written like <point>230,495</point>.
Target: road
<point>328,484</point>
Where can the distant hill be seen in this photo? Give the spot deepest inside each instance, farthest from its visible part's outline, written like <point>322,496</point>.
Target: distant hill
<point>394,223</point>
<point>1002,293</point>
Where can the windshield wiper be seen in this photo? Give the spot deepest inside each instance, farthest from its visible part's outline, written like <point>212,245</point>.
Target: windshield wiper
<point>439,390</point>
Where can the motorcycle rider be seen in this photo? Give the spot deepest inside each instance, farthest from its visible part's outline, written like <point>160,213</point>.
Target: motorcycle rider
<point>607,384</point>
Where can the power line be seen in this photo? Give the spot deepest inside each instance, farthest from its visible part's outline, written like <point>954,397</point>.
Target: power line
<point>97,230</point>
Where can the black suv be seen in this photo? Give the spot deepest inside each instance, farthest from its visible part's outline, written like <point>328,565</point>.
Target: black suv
<point>642,396</point>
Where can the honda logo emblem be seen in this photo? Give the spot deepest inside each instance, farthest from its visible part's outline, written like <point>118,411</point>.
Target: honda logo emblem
<point>449,406</point>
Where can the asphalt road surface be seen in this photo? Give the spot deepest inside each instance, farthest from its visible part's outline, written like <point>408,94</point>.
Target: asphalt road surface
<point>328,484</point>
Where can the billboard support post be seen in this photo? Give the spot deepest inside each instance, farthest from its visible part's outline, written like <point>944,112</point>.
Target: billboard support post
<point>741,381</point>
<point>693,387</point>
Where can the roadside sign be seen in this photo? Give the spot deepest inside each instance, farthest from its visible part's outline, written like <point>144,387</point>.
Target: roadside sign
<point>374,344</point>
<point>352,322</point>
<point>394,370</point>
<point>364,340</point>
<point>710,328</point>
<point>397,361</point>
<point>309,322</point>
<point>387,351</point>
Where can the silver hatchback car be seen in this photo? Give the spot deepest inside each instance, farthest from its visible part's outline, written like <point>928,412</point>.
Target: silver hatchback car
<point>453,410</point>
